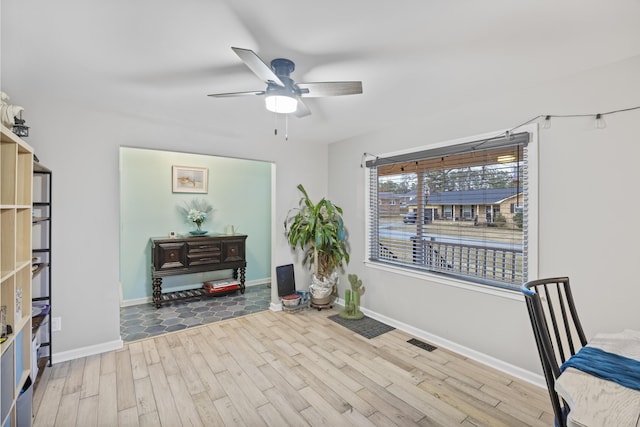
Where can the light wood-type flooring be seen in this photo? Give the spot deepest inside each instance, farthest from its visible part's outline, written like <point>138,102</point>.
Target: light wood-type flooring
<point>281,369</point>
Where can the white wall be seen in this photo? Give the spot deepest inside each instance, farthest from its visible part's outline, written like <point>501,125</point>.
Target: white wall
<point>588,224</point>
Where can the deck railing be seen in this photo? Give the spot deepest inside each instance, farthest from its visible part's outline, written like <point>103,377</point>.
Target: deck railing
<point>484,262</point>
<point>386,253</point>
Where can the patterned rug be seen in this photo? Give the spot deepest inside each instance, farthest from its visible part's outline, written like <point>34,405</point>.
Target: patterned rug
<point>367,327</point>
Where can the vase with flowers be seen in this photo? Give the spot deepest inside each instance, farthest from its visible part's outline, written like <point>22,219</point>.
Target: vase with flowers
<point>197,211</point>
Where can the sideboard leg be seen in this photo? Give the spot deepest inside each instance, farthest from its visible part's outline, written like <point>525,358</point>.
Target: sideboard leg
<point>157,291</point>
<point>242,278</point>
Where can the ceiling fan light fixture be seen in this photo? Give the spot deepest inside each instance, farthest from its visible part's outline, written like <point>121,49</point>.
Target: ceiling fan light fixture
<point>283,95</point>
<point>281,104</point>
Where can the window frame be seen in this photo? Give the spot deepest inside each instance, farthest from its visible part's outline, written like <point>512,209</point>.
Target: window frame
<point>531,243</point>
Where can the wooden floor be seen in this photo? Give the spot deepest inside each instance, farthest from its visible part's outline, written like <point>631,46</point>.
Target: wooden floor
<point>279,369</point>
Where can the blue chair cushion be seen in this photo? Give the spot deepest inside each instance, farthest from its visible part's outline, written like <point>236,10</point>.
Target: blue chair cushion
<point>605,365</point>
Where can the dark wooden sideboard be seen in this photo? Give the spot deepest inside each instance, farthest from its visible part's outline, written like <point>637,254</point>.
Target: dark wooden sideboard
<point>195,254</point>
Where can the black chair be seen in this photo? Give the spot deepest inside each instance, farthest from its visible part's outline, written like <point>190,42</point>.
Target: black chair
<point>557,331</point>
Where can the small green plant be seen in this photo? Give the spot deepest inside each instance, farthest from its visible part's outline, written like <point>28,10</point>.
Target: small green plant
<point>352,299</point>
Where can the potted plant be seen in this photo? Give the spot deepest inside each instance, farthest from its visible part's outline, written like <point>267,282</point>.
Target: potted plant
<point>352,299</point>
<point>318,230</point>
<point>197,211</point>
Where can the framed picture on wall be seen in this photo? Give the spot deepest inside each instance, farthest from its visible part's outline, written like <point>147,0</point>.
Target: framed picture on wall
<point>187,179</point>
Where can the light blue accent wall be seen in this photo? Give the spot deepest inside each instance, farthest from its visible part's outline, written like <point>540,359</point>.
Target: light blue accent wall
<point>239,191</point>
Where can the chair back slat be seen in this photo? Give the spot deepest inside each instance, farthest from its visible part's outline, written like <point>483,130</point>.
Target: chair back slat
<point>557,331</point>
<point>550,316</point>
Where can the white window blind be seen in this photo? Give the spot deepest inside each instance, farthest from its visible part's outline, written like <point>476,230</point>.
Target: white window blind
<point>458,210</point>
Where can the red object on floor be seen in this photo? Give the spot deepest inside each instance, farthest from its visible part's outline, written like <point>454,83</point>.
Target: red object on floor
<point>216,289</point>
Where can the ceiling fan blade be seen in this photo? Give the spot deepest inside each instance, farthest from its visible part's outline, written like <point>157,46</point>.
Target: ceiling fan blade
<point>259,68</point>
<point>319,89</point>
<point>230,94</point>
<point>302,110</point>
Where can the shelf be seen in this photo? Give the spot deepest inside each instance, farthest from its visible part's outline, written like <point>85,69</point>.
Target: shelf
<point>194,293</point>
<point>7,243</point>
<point>41,223</point>
<point>37,322</point>
<point>8,171</point>
<point>23,234</point>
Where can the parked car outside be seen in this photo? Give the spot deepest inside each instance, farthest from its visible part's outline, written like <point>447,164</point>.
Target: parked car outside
<point>411,217</point>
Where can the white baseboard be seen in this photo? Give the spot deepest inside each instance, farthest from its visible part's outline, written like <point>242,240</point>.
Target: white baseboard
<point>523,374</point>
<point>137,301</point>
<point>148,300</point>
<point>63,356</point>
<point>275,307</point>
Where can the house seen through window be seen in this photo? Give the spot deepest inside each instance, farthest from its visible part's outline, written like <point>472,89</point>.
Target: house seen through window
<point>457,210</point>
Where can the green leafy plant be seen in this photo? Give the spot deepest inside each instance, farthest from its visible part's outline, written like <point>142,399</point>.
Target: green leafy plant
<point>318,230</point>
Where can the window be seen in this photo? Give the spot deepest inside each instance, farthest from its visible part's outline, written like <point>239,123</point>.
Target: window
<point>467,212</point>
<point>480,187</point>
<point>448,211</point>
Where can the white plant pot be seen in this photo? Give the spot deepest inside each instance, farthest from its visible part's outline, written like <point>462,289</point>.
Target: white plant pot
<point>321,290</point>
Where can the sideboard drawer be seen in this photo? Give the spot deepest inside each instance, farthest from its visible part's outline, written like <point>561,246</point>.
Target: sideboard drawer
<point>170,255</point>
<point>204,246</point>
<point>203,258</point>
<point>233,251</point>
<point>204,252</point>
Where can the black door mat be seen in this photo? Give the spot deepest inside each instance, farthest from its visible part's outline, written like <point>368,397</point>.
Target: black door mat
<point>367,327</point>
<point>423,345</point>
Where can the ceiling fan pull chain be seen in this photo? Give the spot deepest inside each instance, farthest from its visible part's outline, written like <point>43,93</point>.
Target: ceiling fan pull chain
<point>286,127</point>
<point>275,124</point>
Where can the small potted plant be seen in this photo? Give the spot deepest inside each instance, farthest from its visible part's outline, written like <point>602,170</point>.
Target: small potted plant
<point>197,212</point>
<point>318,230</point>
<point>352,299</point>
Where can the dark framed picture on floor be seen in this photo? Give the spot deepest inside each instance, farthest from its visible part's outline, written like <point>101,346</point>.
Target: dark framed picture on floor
<point>189,179</point>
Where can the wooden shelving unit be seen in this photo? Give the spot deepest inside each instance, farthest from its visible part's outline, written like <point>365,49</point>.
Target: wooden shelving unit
<point>16,173</point>
<point>41,271</point>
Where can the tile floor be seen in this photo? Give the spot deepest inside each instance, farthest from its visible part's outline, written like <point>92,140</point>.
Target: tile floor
<point>144,321</point>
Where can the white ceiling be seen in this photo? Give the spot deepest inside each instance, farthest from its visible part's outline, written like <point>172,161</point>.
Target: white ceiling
<point>158,59</point>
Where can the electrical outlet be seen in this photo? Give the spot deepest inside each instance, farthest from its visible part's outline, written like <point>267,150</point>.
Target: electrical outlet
<point>56,324</point>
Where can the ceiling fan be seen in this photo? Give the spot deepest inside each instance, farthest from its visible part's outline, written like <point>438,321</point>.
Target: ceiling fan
<point>283,95</point>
